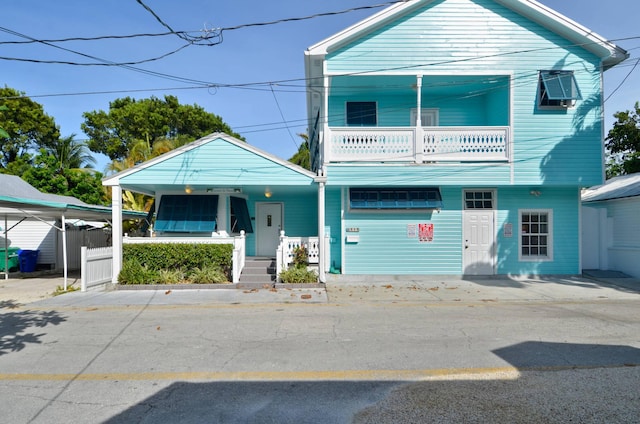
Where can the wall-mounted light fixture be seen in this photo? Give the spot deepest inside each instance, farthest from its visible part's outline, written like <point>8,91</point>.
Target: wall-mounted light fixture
<point>535,193</point>
<point>188,190</point>
<point>267,192</point>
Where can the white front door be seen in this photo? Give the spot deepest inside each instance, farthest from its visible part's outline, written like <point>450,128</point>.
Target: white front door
<point>268,226</point>
<point>479,242</point>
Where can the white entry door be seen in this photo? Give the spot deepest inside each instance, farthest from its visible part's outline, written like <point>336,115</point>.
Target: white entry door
<point>479,242</point>
<point>268,226</point>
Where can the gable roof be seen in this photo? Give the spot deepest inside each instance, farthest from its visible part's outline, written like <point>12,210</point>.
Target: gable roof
<point>203,162</point>
<point>615,188</point>
<point>609,53</point>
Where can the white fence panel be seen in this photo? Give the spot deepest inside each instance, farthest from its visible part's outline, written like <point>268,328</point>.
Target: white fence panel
<point>96,266</point>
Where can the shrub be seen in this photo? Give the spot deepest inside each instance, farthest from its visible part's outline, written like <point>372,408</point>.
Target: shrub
<point>133,272</point>
<point>299,275</point>
<point>207,275</point>
<point>300,257</point>
<point>171,276</point>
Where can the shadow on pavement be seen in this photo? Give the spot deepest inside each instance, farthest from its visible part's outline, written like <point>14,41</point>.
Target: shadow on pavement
<point>563,382</point>
<point>15,323</point>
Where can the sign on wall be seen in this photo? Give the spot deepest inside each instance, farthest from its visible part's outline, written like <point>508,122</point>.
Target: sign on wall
<point>425,232</point>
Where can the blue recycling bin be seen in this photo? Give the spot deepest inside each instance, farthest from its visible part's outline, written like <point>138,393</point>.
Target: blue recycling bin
<point>28,260</point>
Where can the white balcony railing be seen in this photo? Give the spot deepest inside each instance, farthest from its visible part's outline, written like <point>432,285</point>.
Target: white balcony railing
<point>411,144</point>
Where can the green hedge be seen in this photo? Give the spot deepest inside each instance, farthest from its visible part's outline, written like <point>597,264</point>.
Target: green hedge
<point>144,263</point>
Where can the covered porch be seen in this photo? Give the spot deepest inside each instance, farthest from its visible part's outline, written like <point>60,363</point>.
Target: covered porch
<point>413,118</point>
<point>222,190</point>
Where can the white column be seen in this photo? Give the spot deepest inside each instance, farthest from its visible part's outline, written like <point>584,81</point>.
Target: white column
<point>321,223</point>
<point>419,142</point>
<point>64,251</point>
<point>116,231</point>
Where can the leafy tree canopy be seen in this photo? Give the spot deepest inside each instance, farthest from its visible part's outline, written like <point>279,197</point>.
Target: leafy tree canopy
<point>45,175</point>
<point>623,143</point>
<point>302,157</point>
<point>25,126</point>
<point>130,121</point>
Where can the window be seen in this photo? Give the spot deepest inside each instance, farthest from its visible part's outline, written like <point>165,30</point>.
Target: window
<point>362,114</point>
<point>239,215</point>
<point>558,89</point>
<point>187,214</point>
<point>428,117</point>
<point>536,235</point>
<point>395,198</point>
<point>481,199</point>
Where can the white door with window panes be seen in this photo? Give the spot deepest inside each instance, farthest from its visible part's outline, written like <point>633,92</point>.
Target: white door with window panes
<point>478,233</point>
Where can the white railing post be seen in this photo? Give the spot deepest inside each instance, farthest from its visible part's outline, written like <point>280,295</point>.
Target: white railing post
<point>327,253</point>
<point>280,255</point>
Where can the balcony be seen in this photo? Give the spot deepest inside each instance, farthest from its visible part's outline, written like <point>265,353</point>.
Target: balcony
<point>417,144</point>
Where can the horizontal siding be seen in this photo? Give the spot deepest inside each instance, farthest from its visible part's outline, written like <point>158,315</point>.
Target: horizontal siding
<point>566,249</point>
<point>626,225</point>
<point>398,175</point>
<point>333,224</point>
<point>385,248</point>
<point>33,235</point>
<point>218,163</point>
<point>465,36</point>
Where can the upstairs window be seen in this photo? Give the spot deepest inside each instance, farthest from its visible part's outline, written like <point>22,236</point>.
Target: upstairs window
<point>362,114</point>
<point>558,89</point>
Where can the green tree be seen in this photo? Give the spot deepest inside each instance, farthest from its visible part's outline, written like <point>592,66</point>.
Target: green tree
<point>71,154</point>
<point>26,126</point>
<point>46,175</point>
<point>151,120</point>
<point>623,143</point>
<point>3,133</point>
<point>302,157</point>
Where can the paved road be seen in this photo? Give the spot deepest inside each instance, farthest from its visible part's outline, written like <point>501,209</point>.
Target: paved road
<point>390,351</point>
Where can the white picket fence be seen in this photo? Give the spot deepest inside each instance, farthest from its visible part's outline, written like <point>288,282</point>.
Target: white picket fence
<point>96,266</point>
<point>97,263</point>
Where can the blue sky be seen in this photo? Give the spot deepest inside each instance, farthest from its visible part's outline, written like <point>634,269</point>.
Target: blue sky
<point>247,55</point>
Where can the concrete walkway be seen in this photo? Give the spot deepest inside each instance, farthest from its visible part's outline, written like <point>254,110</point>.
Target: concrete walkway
<point>339,289</point>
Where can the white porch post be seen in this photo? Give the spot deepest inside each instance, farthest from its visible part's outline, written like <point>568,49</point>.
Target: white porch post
<point>116,231</point>
<point>419,144</point>
<point>64,250</point>
<point>321,230</point>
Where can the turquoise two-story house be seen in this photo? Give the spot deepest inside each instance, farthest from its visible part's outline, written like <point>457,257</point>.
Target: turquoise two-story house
<point>454,137</point>
<point>447,137</point>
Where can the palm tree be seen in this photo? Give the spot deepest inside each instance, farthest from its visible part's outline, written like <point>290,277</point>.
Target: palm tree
<point>302,157</point>
<point>71,154</point>
<point>140,151</point>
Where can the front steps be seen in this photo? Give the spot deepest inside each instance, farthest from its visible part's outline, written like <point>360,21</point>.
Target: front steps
<point>258,272</point>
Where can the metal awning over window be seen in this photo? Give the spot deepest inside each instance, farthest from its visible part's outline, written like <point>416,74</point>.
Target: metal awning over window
<point>560,85</point>
<point>395,198</point>
<point>187,214</point>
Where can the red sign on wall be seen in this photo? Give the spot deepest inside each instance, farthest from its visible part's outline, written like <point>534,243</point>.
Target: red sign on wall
<point>425,232</point>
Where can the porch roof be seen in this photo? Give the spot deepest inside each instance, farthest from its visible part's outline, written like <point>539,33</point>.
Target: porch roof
<point>214,164</point>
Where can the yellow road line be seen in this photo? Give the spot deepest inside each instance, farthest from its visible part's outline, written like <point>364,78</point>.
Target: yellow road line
<point>346,375</point>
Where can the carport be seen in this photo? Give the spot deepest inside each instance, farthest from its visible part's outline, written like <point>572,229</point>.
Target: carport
<point>21,200</point>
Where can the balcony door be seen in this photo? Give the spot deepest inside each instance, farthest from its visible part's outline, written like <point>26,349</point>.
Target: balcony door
<point>429,117</point>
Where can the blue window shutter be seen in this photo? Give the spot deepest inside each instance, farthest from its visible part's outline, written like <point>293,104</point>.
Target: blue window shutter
<point>241,212</point>
<point>187,213</point>
<point>395,198</point>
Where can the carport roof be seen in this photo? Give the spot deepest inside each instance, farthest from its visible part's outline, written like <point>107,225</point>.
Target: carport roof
<point>18,197</point>
<point>615,188</point>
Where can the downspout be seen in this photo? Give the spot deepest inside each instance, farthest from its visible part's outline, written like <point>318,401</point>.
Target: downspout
<point>6,249</point>
<point>116,231</point>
